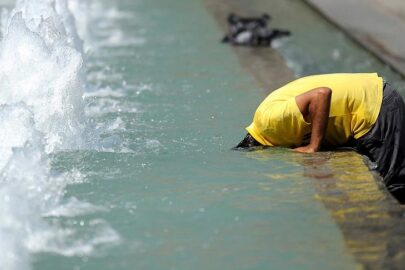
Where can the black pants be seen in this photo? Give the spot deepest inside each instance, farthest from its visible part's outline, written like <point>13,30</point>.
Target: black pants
<point>384,144</point>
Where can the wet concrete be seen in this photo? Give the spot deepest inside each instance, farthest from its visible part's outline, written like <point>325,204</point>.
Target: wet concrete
<point>372,222</point>
<point>378,25</point>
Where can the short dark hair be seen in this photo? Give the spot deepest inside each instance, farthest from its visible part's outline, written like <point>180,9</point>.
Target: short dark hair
<point>247,142</point>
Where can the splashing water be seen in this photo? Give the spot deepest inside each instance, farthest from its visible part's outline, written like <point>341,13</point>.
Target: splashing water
<point>41,111</point>
<point>41,67</point>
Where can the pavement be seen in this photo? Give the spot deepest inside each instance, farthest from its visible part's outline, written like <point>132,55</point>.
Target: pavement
<point>377,25</point>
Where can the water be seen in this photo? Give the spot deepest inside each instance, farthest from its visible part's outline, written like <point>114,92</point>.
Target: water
<point>42,113</point>
<point>370,220</point>
<point>138,174</point>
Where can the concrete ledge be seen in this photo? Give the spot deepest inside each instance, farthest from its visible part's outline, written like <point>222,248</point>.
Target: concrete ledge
<point>378,25</point>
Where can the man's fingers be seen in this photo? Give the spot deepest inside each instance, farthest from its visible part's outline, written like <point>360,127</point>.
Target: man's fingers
<point>304,149</point>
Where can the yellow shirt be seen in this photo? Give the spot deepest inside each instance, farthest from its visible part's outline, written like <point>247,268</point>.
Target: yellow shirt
<point>355,104</point>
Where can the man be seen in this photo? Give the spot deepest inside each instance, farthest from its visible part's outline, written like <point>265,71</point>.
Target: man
<point>333,110</point>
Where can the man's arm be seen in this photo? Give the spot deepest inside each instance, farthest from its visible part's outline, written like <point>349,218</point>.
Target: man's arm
<point>315,106</point>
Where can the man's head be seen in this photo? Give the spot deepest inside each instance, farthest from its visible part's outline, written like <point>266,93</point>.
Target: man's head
<point>247,142</point>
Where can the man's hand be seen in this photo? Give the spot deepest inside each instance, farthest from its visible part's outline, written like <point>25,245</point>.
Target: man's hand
<point>305,149</point>
<point>315,106</point>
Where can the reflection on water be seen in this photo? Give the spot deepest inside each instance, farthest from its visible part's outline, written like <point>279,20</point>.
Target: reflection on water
<point>371,220</point>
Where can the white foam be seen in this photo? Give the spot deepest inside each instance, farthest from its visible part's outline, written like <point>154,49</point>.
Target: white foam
<point>140,88</point>
<point>118,39</point>
<point>14,118</point>
<point>41,111</point>
<point>117,124</point>
<point>72,241</point>
<point>27,191</point>
<point>46,77</point>
<point>153,145</point>
<point>72,208</point>
<point>105,92</point>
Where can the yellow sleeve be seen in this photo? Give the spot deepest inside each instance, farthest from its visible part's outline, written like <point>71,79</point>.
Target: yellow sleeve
<point>279,124</point>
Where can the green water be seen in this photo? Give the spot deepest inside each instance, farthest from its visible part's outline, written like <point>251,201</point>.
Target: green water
<point>170,186</point>
<point>371,222</point>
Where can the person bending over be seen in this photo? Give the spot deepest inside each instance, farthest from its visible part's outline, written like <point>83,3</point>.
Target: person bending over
<point>326,111</point>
